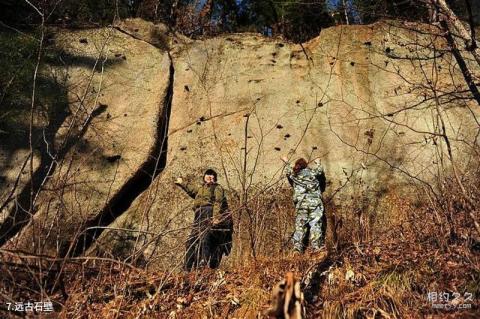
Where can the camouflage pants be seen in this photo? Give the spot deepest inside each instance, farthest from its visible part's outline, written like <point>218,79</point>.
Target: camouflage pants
<point>308,221</point>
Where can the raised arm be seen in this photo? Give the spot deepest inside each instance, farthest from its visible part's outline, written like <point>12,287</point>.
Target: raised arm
<point>288,170</point>
<point>288,167</point>
<point>317,168</point>
<point>190,188</point>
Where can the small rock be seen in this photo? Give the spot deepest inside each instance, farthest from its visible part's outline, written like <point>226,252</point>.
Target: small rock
<point>84,41</point>
<point>331,278</point>
<point>349,275</point>
<point>235,301</point>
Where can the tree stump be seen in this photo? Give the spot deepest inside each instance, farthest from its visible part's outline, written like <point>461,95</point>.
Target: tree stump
<point>287,299</point>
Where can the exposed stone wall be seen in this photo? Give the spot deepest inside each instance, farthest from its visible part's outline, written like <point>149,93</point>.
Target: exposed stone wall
<point>358,97</point>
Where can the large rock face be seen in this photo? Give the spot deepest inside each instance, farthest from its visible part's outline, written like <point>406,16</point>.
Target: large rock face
<point>116,88</point>
<point>359,97</point>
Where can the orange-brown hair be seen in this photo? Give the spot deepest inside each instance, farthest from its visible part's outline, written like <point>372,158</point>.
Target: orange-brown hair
<point>300,164</point>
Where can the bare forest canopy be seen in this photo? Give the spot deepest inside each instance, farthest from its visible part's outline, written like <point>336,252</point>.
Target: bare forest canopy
<point>296,20</point>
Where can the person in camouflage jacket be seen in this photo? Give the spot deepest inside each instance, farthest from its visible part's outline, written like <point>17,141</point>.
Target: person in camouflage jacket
<point>211,235</point>
<point>307,197</point>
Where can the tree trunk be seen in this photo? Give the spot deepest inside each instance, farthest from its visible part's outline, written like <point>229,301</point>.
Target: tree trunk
<point>452,19</point>
<point>345,11</point>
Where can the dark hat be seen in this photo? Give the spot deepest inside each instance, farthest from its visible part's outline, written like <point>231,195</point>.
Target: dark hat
<point>211,172</point>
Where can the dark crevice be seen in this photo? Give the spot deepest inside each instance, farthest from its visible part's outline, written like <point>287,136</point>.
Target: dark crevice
<point>141,180</point>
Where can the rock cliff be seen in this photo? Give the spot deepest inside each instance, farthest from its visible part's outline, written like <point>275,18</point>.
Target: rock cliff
<point>362,98</point>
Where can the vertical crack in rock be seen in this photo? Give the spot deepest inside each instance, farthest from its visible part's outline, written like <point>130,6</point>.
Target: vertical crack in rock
<point>141,180</point>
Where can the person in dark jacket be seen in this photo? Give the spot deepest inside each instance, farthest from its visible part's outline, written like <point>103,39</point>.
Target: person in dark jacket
<point>307,197</point>
<point>211,235</point>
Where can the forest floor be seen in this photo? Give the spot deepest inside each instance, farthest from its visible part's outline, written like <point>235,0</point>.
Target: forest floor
<point>388,280</point>
<point>409,271</point>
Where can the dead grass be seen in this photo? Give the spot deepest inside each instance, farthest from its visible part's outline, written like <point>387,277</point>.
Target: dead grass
<point>387,273</point>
